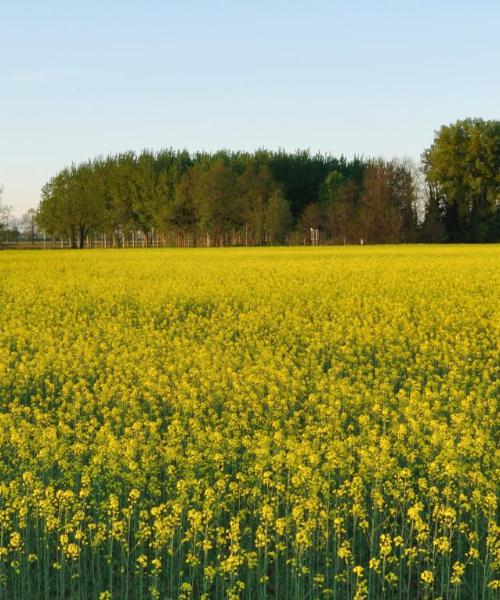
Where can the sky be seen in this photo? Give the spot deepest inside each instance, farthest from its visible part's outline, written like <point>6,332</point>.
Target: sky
<point>372,78</point>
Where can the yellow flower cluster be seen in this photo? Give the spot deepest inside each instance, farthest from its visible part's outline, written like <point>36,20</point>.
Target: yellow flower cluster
<point>249,423</point>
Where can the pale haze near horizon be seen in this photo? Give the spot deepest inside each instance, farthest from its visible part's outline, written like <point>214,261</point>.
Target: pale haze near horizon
<point>78,80</point>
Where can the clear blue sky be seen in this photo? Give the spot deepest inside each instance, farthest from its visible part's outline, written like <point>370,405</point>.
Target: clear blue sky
<point>78,79</point>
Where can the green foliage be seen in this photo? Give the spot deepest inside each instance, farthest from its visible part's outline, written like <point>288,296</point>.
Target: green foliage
<point>216,198</point>
<point>331,188</point>
<point>220,198</point>
<point>241,198</point>
<point>464,163</point>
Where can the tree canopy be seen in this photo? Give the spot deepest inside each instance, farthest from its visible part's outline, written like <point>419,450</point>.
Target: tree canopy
<point>267,197</point>
<point>463,165</point>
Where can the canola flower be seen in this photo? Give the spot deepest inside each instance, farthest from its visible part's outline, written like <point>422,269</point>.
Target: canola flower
<point>250,423</point>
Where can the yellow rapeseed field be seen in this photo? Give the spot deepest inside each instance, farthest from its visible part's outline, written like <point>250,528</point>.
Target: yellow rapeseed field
<point>293,423</point>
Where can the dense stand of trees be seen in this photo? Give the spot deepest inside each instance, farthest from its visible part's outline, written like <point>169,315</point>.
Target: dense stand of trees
<point>265,197</point>
<point>462,168</point>
<point>206,199</point>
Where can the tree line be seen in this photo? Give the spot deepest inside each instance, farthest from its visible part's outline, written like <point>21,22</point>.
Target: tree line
<point>220,198</point>
<point>266,197</point>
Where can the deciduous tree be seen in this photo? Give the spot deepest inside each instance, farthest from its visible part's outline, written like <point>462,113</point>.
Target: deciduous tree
<point>463,163</point>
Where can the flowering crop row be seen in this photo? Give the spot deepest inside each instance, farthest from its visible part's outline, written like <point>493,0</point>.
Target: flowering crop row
<point>249,423</point>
